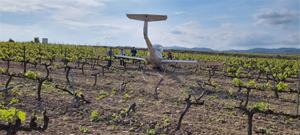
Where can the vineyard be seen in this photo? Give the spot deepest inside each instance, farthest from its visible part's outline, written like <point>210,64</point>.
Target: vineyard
<point>68,89</point>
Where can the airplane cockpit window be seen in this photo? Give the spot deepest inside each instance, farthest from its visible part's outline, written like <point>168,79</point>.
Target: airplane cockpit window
<point>158,48</point>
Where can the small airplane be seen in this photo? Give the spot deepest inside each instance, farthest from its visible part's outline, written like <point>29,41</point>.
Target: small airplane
<point>155,56</point>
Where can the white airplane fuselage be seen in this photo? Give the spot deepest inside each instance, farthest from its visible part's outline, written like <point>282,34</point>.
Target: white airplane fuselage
<point>155,55</point>
<point>154,52</point>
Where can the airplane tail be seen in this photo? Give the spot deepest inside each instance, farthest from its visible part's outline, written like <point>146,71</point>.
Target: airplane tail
<point>147,17</point>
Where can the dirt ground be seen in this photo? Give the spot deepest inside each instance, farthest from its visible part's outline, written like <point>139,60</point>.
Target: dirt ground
<point>218,115</point>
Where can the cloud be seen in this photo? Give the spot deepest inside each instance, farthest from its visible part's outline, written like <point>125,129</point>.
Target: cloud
<point>225,36</point>
<point>261,39</point>
<point>85,24</point>
<point>72,14</point>
<point>193,34</point>
<point>40,5</point>
<point>177,32</point>
<point>58,10</point>
<point>221,17</point>
<point>69,21</point>
<point>179,13</point>
<point>19,33</point>
<point>271,17</point>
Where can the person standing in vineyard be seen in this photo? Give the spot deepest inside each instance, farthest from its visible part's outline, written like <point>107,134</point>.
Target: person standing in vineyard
<point>170,55</point>
<point>133,53</point>
<point>110,54</point>
<point>122,53</point>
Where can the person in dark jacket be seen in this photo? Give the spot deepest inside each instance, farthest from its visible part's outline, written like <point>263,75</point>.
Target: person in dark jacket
<point>170,55</point>
<point>133,53</point>
<point>110,54</point>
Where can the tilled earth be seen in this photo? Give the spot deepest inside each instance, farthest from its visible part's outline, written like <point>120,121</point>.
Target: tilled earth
<point>218,114</point>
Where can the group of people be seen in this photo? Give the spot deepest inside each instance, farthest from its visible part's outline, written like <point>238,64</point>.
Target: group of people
<point>110,54</point>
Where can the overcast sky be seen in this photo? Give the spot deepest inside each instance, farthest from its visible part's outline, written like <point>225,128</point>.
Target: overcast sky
<point>216,24</point>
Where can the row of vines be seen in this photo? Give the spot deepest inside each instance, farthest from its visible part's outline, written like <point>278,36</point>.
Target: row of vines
<point>247,74</point>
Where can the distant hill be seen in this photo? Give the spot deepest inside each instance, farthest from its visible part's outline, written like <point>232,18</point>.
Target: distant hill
<point>270,51</point>
<point>190,49</point>
<point>254,50</point>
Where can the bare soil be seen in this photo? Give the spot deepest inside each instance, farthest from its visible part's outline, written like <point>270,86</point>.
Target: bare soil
<point>218,115</point>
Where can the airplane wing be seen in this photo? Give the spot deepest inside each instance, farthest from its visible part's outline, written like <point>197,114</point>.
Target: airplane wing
<point>179,61</point>
<point>130,57</point>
